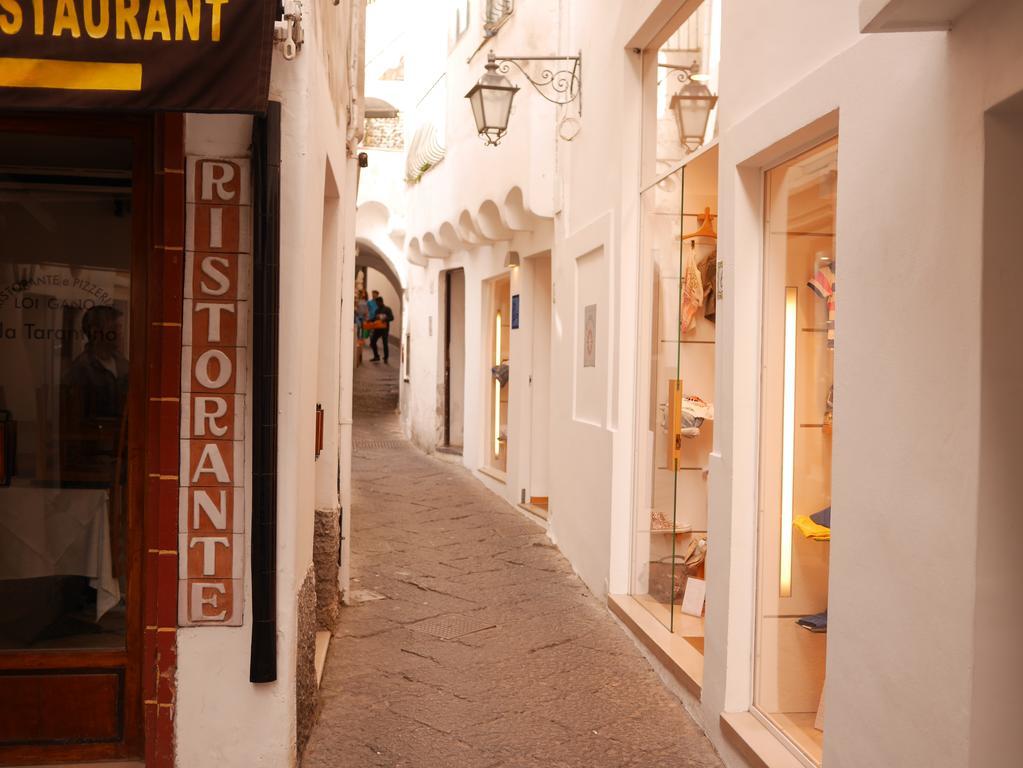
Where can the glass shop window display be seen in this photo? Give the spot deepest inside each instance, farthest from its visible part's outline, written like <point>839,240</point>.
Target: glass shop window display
<point>677,331</point>
<point>677,433</point>
<point>797,412</point>
<point>65,280</point>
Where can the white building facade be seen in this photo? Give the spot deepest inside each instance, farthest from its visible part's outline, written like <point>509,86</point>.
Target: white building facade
<point>631,329</point>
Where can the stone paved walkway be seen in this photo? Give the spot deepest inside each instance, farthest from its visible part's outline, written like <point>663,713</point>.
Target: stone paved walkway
<point>546,679</point>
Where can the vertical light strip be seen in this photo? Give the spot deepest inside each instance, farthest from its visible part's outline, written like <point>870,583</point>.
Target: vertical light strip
<point>497,387</point>
<point>788,443</point>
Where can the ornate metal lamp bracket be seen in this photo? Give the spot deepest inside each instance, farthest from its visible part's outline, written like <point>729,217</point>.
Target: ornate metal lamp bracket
<point>558,82</point>
<point>681,73</point>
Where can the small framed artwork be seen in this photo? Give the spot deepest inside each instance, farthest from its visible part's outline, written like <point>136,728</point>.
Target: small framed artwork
<point>590,336</point>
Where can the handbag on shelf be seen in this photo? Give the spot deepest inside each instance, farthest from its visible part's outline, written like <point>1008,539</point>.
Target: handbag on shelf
<point>670,574</point>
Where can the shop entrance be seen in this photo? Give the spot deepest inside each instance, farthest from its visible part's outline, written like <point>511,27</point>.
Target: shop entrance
<point>497,374</point>
<point>540,385</point>
<point>454,359</point>
<point>73,240</point>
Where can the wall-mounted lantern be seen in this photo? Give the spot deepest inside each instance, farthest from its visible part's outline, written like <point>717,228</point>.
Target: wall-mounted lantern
<point>491,98</point>
<point>691,105</point>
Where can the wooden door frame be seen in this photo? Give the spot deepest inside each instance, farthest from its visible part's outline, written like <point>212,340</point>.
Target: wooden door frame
<point>157,263</point>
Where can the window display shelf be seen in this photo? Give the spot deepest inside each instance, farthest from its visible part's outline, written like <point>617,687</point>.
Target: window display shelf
<point>679,529</point>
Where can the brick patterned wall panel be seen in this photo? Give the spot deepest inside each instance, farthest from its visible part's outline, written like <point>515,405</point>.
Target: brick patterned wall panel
<point>214,378</point>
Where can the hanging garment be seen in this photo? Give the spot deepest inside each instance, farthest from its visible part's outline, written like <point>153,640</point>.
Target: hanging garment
<point>692,289</point>
<point>823,284</point>
<point>829,411</point>
<point>709,275</point>
<point>500,372</point>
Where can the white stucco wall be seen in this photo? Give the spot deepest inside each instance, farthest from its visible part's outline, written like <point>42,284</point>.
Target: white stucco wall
<point>909,118</point>
<point>220,717</point>
<point>909,112</point>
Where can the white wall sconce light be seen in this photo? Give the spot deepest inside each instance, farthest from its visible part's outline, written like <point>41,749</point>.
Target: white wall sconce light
<point>491,98</point>
<point>692,105</point>
<point>512,260</point>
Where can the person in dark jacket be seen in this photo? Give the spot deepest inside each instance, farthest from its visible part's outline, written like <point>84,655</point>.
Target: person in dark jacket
<point>383,313</point>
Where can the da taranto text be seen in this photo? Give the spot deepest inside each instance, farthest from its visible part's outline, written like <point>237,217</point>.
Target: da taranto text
<point>171,20</point>
<point>34,332</point>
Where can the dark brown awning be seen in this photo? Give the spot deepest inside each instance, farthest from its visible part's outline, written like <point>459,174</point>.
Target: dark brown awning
<point>174,55</point>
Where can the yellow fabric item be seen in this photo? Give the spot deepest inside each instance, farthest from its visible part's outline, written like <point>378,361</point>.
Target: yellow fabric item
<point>811,530</point>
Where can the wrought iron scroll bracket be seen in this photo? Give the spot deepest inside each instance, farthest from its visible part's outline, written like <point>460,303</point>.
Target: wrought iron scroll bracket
<point>560,81</point>
<point>681,73</point>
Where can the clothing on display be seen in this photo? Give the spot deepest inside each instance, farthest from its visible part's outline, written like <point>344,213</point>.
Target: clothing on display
<point>816,623</point>
<point>810,529</point>
<point>699,283</point>
<point>823,517</point>
<point>823,284</point>
<point>829,411</point>
<point>709,275</point>
<point>692,289</point>
<point>500,372</point>
<point>694,411</point>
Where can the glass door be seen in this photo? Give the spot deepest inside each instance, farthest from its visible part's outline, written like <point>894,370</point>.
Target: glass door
<point>71,232</point>
<point>676,436</point>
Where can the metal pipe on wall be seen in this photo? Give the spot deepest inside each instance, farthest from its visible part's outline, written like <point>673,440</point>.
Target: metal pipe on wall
<point>266,171</point>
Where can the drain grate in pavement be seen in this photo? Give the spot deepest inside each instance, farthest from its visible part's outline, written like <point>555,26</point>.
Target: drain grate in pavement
<point>366,445</point>
<point>451,627</point>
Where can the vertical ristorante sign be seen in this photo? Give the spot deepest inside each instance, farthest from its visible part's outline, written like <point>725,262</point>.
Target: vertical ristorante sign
<point>214,378</point>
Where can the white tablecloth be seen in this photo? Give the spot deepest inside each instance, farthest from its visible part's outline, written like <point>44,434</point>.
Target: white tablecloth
<point>58,532</point>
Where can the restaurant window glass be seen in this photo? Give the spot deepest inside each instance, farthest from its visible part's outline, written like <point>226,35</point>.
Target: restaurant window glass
<point>65,284</point>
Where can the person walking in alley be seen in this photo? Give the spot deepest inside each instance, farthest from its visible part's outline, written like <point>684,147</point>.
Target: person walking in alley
<point>383,314</point>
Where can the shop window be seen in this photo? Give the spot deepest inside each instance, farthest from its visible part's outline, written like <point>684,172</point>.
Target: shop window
<point>459,22</point>
<point>797,412</point>
<point>498,374</point>
<point>676,434</point>
<point>678,333</point>
<point>65,284</point>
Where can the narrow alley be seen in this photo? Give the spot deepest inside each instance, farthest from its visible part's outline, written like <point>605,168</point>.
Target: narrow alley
<point>365,401</point>
<point>469,641</point>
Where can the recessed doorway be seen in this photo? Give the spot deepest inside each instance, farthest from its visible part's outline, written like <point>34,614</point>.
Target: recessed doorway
<point>454,360</point>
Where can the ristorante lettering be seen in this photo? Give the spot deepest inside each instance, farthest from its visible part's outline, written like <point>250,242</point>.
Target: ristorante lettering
<point>121,19</point>
<point>212,514</point>
<point>205,55</point>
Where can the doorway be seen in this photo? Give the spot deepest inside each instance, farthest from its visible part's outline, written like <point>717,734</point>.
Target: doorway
<point>540,385</point>
<point>496,373</point>
<point>74,236</point>
<point>454,360</point>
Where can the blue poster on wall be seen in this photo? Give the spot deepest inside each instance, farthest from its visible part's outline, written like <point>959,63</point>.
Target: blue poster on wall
<point>515,311</point>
